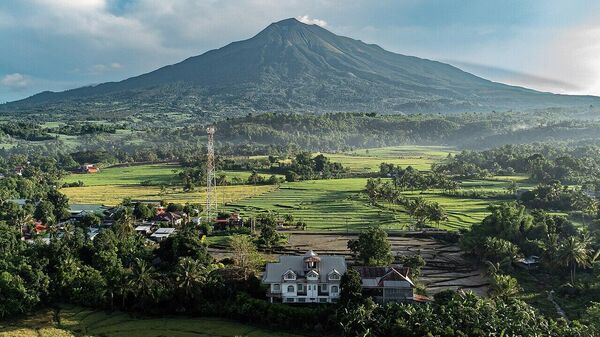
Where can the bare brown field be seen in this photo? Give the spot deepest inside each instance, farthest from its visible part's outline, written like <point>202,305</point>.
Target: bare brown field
<point>446,267</point>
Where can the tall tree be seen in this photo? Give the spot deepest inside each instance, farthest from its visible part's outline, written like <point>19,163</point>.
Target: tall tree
<point>244,254</point>
<point>574,252</point>
<point>372,247</point>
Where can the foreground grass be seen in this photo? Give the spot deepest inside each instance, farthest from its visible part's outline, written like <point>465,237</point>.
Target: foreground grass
<point>76,321</point>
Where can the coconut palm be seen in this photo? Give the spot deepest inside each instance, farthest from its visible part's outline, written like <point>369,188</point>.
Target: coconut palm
<point>574,252</point>
<point>142,283</point>
<point>437,213</point>
<point>190,276</point>
<point>124,223</point>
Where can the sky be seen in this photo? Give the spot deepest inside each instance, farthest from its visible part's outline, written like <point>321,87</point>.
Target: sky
<point>56,45</point>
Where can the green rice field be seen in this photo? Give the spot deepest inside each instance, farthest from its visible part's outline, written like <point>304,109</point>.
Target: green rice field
<point>340,204</point>
<point>368,160</point>
<point>337,204</point>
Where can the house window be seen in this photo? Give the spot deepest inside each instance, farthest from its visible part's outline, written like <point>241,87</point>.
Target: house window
<point>334,276</point>
<point>300,287</point>
<point>290,289</point>
<point>323,287</point>
<point>334,289</point>
<point>322,300</point>
<point>302,300</point>
<point>276,287</point>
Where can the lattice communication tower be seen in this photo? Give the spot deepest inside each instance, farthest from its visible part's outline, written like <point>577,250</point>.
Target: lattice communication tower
<point>211,180</point>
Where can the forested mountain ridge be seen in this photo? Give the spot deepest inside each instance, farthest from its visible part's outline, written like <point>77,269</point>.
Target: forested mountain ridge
<point>293,67</point>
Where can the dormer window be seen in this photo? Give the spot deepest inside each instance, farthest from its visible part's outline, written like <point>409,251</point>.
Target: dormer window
<point>334,275</point>
<point>312,275</point>
<point>289,275</point>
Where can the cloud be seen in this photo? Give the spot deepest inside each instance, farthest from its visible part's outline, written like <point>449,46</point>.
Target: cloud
<point>15,81</point>
<point>515,77</point>
<point>573,54</point>
<point>311,21</point>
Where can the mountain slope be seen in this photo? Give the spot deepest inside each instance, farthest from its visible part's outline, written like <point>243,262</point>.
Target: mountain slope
<point>291,66</point>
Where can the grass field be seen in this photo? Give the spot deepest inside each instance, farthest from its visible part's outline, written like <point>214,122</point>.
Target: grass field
<point>76,321</point>
<point>368,160</point>
<point>143,182</point>
<point>149,174</point>
<point>155,174</point>
<point>113,194</point>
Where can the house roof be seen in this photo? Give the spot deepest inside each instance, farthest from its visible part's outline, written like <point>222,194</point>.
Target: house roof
<point>168,216</point>
<point>166,230</point>
<point>274,271</point>
<point>383,276</point>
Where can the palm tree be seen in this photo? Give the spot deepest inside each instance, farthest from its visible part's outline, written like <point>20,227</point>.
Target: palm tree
<point>124,223</point>
<point>574,252</point>
<point>437,213</point>
<point>142,282</point>
<point>190,276</point>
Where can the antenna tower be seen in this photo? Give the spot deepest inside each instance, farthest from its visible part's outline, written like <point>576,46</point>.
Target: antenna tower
<point>211,180</point>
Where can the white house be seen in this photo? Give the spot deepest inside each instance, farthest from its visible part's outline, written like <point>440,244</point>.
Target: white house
<point>310,278</point>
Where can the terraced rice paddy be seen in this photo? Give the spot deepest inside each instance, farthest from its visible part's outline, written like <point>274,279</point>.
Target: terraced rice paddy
<point>322,204</point>
<point>76,321</point>
<point>340,204</point>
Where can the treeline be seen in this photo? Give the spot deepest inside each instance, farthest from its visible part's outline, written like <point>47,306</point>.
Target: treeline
<point>343,131</point>
<point>419,209</point>
<point>410,179</point>
<point>25,131</point>
<point>303,166</point>
<point>78,129</point>
<point>542,162</point>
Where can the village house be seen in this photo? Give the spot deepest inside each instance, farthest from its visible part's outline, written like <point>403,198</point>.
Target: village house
<point>528,263</point>
<point>89,168</point>
<point>310,278</point>
<point>169,217</point>
<point>162,233</point>
<point>145,230</point>
<point>387,284</point>
<point>234,220</point>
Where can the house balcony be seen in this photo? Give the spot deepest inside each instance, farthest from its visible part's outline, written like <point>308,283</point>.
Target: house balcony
<point>270,293</point>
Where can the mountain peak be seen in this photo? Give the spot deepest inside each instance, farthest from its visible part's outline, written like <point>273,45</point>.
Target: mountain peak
<point>293,66</point>
<point>288,22</point>
<point>286,26</point>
